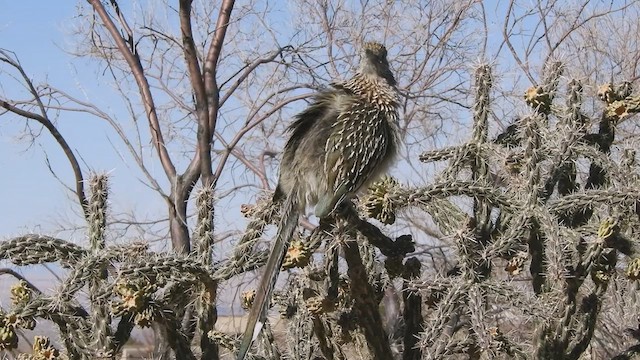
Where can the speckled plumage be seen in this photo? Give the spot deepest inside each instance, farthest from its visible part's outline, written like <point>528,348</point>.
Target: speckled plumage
<point>343,140</point>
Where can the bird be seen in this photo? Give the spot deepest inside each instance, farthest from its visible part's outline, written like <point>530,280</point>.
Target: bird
<point>346,138</point>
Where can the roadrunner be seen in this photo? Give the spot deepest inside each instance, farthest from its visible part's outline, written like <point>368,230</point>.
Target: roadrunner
<point>340,143</point>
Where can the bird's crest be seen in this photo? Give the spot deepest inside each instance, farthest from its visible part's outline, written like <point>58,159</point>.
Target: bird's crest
<point>376,49</point>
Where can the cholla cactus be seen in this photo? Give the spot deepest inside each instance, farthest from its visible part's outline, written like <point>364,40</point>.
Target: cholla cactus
<point>377,203</point>
<point>538,222</point>
<point>8,337</point>
<point>538,98</point>
<point>298,255</point>
<point>20,293</point>
<point>135,298</point>
<point>43,350</point>
<point>10,323</point>
<point>524,209</point>
<point>515,265</point>
<point>247,299</point>
<point>222,339</point>
<point>122,282</point>
<point>316,305</point>
<point>633,269</point>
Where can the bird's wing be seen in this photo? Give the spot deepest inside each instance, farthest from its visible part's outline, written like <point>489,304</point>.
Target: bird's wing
<point>322,106</point>
<point>353,151</point>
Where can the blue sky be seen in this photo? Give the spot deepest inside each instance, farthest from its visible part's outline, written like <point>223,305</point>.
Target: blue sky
<point>33,200</point>
<point>31,32</point>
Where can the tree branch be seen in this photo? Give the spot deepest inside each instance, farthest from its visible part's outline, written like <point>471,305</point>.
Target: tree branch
<point>133,60</point>
<point>213,98</point>
<point>77,172</point>
<point>202,158</point>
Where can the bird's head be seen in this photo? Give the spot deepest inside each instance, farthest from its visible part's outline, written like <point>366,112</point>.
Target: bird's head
<point>374,62</point>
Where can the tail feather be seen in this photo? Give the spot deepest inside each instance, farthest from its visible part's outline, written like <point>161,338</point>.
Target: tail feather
<point>258,313</point>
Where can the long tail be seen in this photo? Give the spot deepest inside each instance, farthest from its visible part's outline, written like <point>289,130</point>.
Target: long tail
<point>258,314</point>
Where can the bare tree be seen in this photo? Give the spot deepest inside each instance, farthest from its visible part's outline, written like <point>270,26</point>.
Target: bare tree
<point>211,87</point>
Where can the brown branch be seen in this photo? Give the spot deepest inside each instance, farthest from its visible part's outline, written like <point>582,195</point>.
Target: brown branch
<point>507,35</point>
<point>238,154</point>
<point>365,304</point>
<point>77,172</point>
<point>180,187</point>
<point>47,123</point>
<point>326,348</point>
<point>89,108</point>
<point>230,149</point>
<point>248,69</point>
<point>212,94</point>
<point>211,61</point>
<point>412,314</point>
<point>133,60</point>
<point>202,158</point>
<point>400,247</point>
<point>16,275</point>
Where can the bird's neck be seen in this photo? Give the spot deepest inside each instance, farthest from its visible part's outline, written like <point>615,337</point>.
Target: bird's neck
<point>375,89</point>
